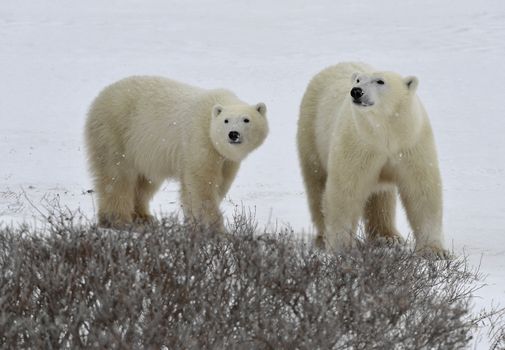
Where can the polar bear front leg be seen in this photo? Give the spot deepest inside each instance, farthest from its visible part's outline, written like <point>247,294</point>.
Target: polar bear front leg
<point>144,192</point>
<point>351,176</point>
<point>229,171</point>
<point>200,200</point>
<point>421,193</point>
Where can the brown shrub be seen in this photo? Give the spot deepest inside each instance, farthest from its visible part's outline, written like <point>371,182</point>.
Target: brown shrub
<point>173,286</point>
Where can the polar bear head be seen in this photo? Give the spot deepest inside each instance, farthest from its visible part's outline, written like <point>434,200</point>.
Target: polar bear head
<point>381,92</point>
<point>236,130</point>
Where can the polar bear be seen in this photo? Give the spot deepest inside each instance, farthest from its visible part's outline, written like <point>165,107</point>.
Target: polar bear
<point>144,129</point>
<point>363,134</point>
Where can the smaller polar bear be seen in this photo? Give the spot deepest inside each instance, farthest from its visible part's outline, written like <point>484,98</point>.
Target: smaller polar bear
<point>362,134</point>
<point>142,130</point>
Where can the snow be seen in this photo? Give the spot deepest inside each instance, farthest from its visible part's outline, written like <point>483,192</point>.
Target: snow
<point>56,56</point>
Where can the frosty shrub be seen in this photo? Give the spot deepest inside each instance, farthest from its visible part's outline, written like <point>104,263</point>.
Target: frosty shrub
<point>173,286</point>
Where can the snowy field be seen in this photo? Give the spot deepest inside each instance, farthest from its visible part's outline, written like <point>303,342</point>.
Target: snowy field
<point>56,55</point>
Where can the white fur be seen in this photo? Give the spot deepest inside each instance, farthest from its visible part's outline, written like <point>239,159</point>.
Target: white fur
<point>143,130</point>
<point>355,155</point>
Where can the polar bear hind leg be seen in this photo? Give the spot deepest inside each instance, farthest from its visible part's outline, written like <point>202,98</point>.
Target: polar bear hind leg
<point>315,181</point>
<point>379,217</point>
<point>115,201</point>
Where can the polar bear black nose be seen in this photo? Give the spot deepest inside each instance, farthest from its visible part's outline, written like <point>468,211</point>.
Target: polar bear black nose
<point>234,135</point>
<point>356,93</point>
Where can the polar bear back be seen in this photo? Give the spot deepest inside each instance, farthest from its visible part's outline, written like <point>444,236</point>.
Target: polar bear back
<point>157,121</point>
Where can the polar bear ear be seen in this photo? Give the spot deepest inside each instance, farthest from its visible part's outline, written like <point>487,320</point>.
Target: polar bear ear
<point>216,110</point>
<point>261,108</point>
<point>411,82</point>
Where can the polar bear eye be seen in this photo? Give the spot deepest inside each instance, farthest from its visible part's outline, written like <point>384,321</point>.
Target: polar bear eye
<point>357,80</point>
<point>226,121</point>
<point>380,82</point>
<point>246,120</point>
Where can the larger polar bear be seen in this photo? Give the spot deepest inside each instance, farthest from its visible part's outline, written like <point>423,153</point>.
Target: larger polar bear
<point>144,129</point>
<point>361,134</point>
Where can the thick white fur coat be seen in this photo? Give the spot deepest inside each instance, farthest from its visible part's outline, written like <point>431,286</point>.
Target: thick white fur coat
<point>143,130</point>
<point>355,155</point>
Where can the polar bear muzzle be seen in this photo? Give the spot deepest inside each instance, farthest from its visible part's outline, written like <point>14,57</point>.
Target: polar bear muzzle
<point>234,137</point>
<point>359,98</point>
<point>356,93</point>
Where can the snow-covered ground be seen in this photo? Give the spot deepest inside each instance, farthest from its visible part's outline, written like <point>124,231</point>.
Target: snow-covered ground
<point>56,55</point>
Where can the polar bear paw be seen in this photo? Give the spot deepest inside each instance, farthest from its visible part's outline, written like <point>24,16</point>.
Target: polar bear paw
<point>340,243</point>
<point>433,252</point>
<point>390,239</point>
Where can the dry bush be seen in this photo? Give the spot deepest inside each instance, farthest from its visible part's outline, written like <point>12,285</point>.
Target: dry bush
<point>495,324</point>
<point>173,286</point>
